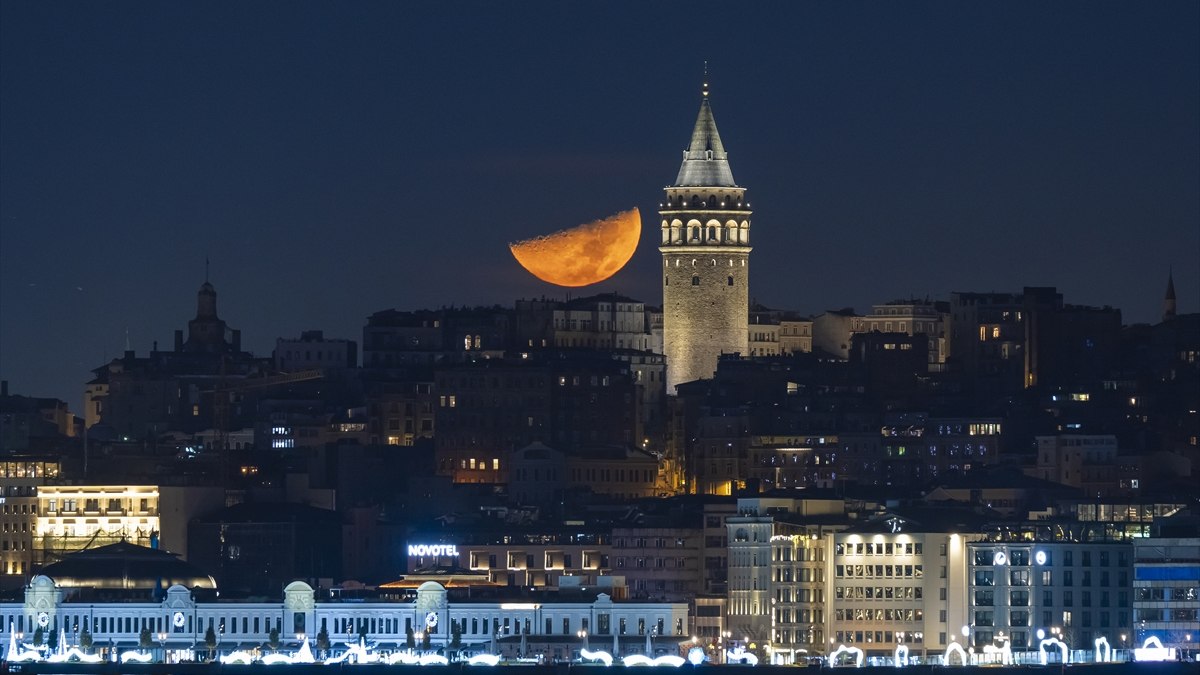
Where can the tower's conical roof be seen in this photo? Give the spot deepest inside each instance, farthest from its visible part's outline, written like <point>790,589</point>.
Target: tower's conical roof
<point>1170,286</point>
<point>705,162</point>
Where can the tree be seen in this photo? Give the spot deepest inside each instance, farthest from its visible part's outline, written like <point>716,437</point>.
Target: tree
<point>273,639</point>
<point>322,640</point>
<point>52,639</point>
<point>426,640</point>
<point>210,641</point>
<point>455,635</point>
<point>410,640</point>
<point>85,640</point>
<point>145,639</point>
<point>38,637</point>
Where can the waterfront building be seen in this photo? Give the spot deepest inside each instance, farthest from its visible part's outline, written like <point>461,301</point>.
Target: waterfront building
<point>1068,581</point>
<point>778,575</point>
<point>1166,584</point>
<point>900,580</point>
<point>180,624</point>
<point>508,554</point>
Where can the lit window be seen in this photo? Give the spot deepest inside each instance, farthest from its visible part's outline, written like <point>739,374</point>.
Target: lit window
<point>495,464</point>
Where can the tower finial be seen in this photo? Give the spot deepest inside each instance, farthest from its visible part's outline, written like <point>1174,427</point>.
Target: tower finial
<point>704,89</point>
<point>206,269</point>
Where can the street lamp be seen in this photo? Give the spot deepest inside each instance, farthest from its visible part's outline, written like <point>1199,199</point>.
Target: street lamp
<point>583,635</point>
<point>419,636</point>
<point>162,645</point>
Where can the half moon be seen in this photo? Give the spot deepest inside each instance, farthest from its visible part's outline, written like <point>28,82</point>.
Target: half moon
<point>583,255</point>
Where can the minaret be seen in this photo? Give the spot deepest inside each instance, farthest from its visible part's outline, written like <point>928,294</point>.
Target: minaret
<point>705,249</point>
<point>1169,298</point>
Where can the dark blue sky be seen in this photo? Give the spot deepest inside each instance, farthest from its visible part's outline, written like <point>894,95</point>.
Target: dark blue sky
<point>334,159</point>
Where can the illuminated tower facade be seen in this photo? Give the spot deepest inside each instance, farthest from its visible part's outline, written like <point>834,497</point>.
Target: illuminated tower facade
<point>706,252</point>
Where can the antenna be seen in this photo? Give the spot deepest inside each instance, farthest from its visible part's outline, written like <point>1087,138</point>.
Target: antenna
<point>206,268</point>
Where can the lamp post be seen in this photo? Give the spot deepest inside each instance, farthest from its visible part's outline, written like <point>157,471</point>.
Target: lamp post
<point>419,636</point>
<point>162,645</point>
<point>583,635</point>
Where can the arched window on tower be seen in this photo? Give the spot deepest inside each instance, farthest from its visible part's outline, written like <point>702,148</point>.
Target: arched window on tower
<point>666,281</point>
<point>730,282</point>
<point>478,342</point>
<point>695,279</point>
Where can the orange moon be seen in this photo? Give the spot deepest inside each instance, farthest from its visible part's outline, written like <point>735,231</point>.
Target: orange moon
<point>583,255</point>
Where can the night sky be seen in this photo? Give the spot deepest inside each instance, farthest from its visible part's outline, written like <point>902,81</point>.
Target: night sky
<point>334,159</point>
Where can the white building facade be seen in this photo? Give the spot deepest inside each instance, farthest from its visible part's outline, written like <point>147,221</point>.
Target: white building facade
<point>178,625</point>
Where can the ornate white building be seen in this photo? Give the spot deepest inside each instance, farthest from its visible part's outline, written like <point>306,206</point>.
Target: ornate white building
<point>555,628</point>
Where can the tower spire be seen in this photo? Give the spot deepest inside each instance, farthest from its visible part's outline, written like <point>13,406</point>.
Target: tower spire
<point>706,250</point>
<point>1169,298</point>
<point>705,162</point>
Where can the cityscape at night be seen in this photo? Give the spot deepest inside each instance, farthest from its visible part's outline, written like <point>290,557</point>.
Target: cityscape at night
<point>677,335</point>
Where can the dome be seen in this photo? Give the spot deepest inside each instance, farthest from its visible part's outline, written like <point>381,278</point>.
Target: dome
<point>124,566</point>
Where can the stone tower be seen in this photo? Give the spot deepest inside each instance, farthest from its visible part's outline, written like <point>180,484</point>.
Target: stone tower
<point>705,249</point>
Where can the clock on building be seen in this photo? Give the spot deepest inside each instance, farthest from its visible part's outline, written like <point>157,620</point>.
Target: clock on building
<point>431,620</point>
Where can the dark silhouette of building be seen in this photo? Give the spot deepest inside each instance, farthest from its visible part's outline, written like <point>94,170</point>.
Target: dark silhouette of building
<point>257,548</point>
<point>141,398</point>
<point>568,399</point>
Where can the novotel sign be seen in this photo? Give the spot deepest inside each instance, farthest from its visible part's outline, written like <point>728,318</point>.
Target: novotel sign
<point>421,550</point>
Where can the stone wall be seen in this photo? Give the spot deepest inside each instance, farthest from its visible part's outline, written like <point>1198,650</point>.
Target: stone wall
<point>705,308</point>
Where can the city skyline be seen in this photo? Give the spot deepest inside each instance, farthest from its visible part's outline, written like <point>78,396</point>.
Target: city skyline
<point>330,162</point>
